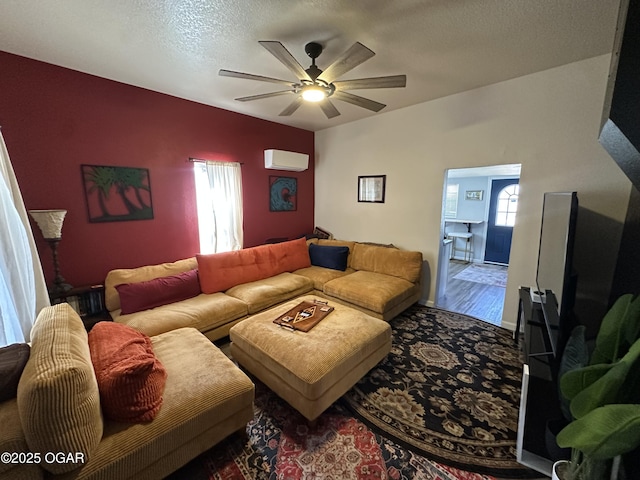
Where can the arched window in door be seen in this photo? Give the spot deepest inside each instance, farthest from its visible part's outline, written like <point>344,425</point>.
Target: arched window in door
<point>507,206</point>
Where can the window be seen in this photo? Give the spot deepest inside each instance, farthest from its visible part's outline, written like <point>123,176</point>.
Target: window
<point>16,283</point>
<point>219,205</point>
<point>22,288</point>
<point>507,206</point>
<point>451,201</point>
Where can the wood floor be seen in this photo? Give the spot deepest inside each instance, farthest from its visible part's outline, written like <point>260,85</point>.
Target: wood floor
<point>471,298</point>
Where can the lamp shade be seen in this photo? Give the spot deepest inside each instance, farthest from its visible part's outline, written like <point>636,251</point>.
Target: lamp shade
<point>50,222</point>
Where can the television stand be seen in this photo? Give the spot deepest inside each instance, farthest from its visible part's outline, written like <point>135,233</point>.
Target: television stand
<point>536,340</point>
<point>539,403</point>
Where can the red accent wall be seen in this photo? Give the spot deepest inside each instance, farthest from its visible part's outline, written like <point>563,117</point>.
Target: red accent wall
<point>54,120</point>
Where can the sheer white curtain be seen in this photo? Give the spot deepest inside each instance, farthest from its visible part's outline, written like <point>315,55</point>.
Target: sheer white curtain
<point>23,292</point>
<point>220,221</point>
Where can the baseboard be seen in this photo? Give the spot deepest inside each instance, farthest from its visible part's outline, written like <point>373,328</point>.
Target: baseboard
<point>509,326</point>
<point>426,303</point>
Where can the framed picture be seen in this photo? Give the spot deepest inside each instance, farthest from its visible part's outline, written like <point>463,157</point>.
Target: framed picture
<point>116,194</point>
<point>473,194</point>
<point>283,194</point>
<point>371,188</point>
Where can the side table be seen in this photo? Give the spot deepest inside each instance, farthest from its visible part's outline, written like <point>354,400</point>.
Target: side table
<point>87,301</point>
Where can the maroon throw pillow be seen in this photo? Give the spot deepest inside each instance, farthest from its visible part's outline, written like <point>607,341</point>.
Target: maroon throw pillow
<point>13,359</point>
<point>135,297</point>
<point>131,379</point>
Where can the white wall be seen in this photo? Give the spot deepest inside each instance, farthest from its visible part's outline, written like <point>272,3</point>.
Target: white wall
<point>548,122</point>
<point>471,209</point>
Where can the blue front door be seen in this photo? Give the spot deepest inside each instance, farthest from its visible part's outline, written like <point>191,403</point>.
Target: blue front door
<point>503,206</point>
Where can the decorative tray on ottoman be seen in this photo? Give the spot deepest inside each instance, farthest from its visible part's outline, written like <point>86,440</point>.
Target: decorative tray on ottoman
<point>304,316</point>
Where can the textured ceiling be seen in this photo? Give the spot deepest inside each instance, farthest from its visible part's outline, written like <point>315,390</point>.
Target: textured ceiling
<point>177,47</point>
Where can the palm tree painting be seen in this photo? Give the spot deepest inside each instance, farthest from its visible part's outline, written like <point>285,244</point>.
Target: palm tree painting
<point>116,194</point>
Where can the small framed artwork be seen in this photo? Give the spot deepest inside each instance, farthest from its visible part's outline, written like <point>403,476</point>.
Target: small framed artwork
<point>283,194</point>
<point>371,188</point>
<point>473,194</point>
<point>117,194</point>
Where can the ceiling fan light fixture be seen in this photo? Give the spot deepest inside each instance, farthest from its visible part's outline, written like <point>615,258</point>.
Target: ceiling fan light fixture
<point>315,85</point>
<point>314,93</point>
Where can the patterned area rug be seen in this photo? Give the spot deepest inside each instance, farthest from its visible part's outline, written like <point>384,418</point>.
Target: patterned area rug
<point>441,406</point>
<point>282,445</point>
<point>449,390</point>
<point>482,273</point>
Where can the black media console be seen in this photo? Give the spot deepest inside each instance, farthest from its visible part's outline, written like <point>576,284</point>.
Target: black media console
<point>539,402</point>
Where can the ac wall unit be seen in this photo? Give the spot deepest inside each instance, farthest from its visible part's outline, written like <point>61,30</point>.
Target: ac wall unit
<point>283,160</point>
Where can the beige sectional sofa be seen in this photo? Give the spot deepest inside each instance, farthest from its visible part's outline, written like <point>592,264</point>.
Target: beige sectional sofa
<point>379,281</point>
<point>57,413</point>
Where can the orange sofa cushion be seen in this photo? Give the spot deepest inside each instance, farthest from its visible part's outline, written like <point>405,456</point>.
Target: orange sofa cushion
<point>221,271</point>
<point>131,379</point>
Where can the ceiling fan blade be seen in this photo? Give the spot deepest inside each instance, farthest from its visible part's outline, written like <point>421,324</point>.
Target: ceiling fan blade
<point>329,108</point>
<point>249,76</point>
<point>359,101</point>
<point>394,81</point>
<point>349,60</point>
<point>293,106</point>
<point>281,53</point>
<point>264,95</point>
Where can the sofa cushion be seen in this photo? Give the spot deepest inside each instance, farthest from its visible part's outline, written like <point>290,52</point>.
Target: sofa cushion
<point>264,293</point>
<point>374,291</point>
<point>135,297</point>
<point>130,377</point>
<point>221,271</point>
<point>320,275</point>
<point>141,274</point>
<point>13,359</point>
<point>58,396</point>
<point>206,397</point>
<point>329,257</point>
<point>12,440</point>
<point>204,312</point>
<point>389,261</point>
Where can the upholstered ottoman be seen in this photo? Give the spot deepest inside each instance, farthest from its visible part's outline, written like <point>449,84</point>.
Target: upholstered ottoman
<point>310,370</point>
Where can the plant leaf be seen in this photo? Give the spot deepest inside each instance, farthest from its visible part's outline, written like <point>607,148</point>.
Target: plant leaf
<point>619,329</point>
<point>605,432</point>
<point>576,381</point>
<point>607,389</point>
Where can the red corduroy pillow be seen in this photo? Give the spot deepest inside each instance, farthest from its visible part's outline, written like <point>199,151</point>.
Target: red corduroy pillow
<point>130,378</point>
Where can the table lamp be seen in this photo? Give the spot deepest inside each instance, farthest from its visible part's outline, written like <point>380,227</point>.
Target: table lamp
<point>50,223</point>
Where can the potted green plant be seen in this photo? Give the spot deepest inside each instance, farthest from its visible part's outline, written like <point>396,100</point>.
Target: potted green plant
<point>604,395</point>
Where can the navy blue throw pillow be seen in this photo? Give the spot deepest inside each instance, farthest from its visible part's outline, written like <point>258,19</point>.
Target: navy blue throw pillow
<point>329,256</point>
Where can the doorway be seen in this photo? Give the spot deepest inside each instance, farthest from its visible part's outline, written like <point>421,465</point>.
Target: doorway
<point>478,212</point>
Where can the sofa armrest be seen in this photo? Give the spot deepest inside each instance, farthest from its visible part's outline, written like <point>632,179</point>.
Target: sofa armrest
<point>141,274</point>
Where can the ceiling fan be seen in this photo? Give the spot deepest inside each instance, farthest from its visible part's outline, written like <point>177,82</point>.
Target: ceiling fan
<point>316,85</point>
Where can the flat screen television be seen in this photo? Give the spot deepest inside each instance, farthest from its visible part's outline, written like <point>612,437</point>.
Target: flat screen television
<point>555,278</point>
